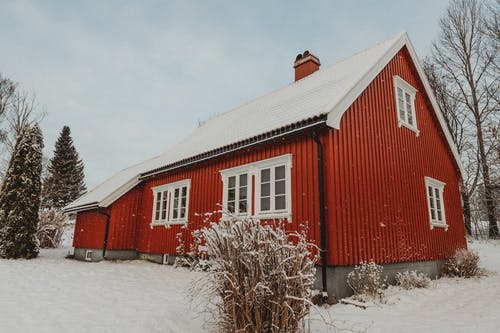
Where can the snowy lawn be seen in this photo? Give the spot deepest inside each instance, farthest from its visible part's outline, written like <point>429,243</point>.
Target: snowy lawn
<point>53,294</point>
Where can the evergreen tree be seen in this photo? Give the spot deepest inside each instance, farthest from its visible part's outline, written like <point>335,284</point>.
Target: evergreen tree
<point>65,181</point>
<point>20,197</point>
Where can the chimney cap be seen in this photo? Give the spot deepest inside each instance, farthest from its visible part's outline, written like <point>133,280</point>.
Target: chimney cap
<point>305,57</point>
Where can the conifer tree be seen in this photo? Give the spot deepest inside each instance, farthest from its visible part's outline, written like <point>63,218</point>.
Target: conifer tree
<point>20,197</point>
<point>65,181</point>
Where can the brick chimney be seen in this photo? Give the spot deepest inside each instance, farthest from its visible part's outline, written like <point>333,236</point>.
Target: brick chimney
<point>305,64</point>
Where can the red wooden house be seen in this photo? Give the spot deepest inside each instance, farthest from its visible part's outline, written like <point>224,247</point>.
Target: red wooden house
<point>358,150</point>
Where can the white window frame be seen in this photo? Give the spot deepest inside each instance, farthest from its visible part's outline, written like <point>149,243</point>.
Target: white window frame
<point>236,172</point>
<point>253,170</point>
<point>170,190</point>
<point>410,90</point>
<point>435,184</point>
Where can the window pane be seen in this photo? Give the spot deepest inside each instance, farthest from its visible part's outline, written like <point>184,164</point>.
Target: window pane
<point>279,172</point>
<point>176,193</point>
<point>433,214</point>
<point>183,202</point>
<point>230,206</point>
<point>280,202</point>
<point>183,213</point>
<point>440,217</point>
<point>231,181</point>
<point>279,187</point>
<point>158,200</point>
<point>265,204</point>
<point>265,175</point>
<point>243,193</point>
<point>408,109</point>
<point>438,198</point>
<point>175,211</point>
<point>231,194</point>
<point>265,190</point>
<point>164,206</point>
<point>243,206</point>
<point>401,104</point>
<point>243,179</point>
<point>184,191</point>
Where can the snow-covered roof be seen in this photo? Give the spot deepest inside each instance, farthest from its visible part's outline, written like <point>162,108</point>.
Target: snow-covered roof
<point>327,92</point>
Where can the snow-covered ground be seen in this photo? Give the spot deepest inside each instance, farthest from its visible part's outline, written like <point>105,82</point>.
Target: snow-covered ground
<point>53,294</point>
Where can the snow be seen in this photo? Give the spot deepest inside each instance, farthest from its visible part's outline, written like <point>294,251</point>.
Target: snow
<point>53,294</point>
<point>449,305</point>
<point>314,95</point>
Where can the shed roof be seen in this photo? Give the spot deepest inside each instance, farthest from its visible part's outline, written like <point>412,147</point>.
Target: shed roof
<point>328,92</point>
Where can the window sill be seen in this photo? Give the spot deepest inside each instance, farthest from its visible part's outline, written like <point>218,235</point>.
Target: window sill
<point>439,225</point>
<point>273,216</point>
<point>166,224</point>
<point>412,128</point>
<point>226,217</point>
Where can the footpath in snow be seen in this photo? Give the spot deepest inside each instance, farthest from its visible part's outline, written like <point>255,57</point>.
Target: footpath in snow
<point>53,294</point>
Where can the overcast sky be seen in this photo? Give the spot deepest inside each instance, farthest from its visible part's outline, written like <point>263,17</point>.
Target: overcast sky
<point>131,78</point>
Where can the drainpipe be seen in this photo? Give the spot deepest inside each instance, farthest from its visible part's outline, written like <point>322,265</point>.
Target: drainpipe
<point>106,232</point>
<point>322,220</point>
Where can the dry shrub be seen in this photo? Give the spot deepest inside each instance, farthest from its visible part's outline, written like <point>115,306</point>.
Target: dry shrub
<point>51,228</point>
<point>196,257</point>
<point>260,275</point>
<point>366,281</point>
<point>411,279</point>
<point>463,264</point>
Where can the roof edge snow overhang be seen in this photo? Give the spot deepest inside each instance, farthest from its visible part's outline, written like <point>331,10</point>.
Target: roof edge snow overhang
<point>337,110</point>
<point>269,136</point>
<point>89,206</point>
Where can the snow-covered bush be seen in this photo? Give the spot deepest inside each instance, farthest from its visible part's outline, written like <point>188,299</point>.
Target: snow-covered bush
<point>366,281</point>
<point>464,264</point>
<point>412,279</point>
<point>260,275</point>
<point>51,228</point>
<point>196,257</point>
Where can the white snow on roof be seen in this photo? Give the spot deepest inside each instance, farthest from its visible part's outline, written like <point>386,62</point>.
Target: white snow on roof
<point>329,91</point>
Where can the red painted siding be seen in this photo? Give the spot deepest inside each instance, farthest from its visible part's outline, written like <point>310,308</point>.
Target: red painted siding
<point>123,221</point>
<point>89,230</point>
<point>374,185</point>
<point>206,192</point>
<point>375,175</point>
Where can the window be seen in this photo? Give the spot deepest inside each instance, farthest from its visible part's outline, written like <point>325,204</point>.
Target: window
<point>272,195</point>
<point>237,194</point>
<point>273,192</point>
<point>434,189</point>
<point>405,104</point>
<point>171,203</point>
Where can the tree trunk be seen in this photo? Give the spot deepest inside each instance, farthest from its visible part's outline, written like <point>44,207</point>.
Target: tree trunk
<point>488,193</point>
<point>466,210</point>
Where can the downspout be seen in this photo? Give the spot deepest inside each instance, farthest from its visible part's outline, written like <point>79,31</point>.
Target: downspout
<point>322,220</point>
<point>106,232</point>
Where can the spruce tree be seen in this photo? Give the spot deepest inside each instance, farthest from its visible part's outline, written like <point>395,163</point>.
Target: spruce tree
<point>20,197</point>
<point>65,181</point>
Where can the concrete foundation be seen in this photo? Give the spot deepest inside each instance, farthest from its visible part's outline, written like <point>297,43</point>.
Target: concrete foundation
<point>337,275</point>
<point>95,255</point>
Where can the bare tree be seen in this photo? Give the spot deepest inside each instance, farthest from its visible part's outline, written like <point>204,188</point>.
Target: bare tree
<point>21,111</point>
<point>467,55</point>
<point>7,90</point>
<point>457,120</point>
